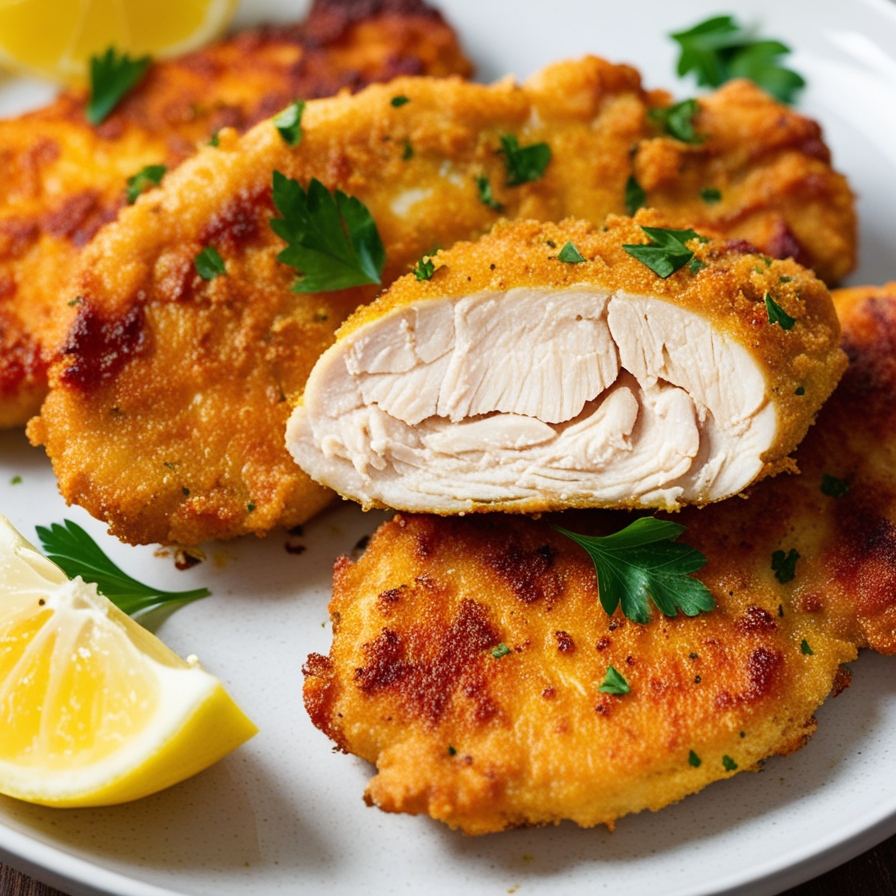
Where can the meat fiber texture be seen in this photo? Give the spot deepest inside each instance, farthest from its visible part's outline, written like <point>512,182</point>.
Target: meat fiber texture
<point>170,396</point>
<point>513,380</point>
<point>485,739</point>
<point>64,178</point>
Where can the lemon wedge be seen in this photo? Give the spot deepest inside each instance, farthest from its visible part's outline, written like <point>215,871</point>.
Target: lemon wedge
<point>94,709</point>
<point>56,38</point>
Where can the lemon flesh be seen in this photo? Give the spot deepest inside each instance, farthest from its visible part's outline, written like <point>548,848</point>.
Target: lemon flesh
<point>94,709</point>
<point>56,38</point>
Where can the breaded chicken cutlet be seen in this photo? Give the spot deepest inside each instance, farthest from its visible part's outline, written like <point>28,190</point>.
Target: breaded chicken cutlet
<point>469,653</point>
<point>549,366</point>
<point>63,178</point>
<point>171,395</point>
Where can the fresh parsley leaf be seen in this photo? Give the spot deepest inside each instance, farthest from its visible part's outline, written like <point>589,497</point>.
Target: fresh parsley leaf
<point>614,683</point>
<point>719,49</point>
<point>408,151</point>
<point>729,763</point>
<point>112,77</point>
<point>399,101</point>
<point>666,252</point>
<point>635,197</point>
<point>695,265</point>
<point>289,123</point>
<point>834,487</point>
<point>570,254</point>
<point>209,264</point>
<point>424,269</point>
<point>711,195</point>
<point>523,163</point>
<point>678,121</point>
<point>784,565</point>
<point>777,315</point>
<point>643,562</point>
<point>149,176</point>
<point>214,140</point>
<point>694,760</point>
<point>805,648</point>
<point>71,548</point>
<point>501,650</point>
<point>483,185</point>
<point>332,239</point>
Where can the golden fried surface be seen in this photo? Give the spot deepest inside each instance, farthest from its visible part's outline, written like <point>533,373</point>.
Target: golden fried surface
<point>168,406</point>
<point>63,179</point>
<point>755,385</point>
<point>486,743</point>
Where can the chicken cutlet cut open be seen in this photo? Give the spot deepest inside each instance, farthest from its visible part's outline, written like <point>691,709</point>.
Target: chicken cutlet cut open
<point>545,366</point>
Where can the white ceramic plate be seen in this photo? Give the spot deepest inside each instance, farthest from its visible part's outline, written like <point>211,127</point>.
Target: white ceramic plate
<point>284,814</point>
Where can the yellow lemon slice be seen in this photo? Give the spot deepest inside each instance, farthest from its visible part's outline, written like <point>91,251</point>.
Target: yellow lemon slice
<point>56,38</point>
<point>94,709</point>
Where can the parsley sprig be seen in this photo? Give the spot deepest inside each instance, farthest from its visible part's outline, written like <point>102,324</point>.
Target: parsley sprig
<point>332,239</point>
<point>71,548</point>
<point>642,563</point>
<point>719,49</point>
<point>112,77</point>
<point>667,251</point>
<point>678,120</point>
<point>146,177</point>
<point>523,163</point>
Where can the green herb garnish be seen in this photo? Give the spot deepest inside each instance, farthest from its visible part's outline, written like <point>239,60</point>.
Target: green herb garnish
<point>399,101</point>
<point>112,77</point>
<point>719,49</point>
<point>666,252</point>
<point>149,176</point>
<point>483,185</point>
<point>614,683</point>
<point>635,197</point>
<point>209,264</point>
<point>711,195</point>
<point>501,650</point>
<point>424,269</point>
<point>834,487</point>
<point>570,254</point>
<point>289,123</point>
<point>777,315</point>
<point>523,163</point>
<point>729,763</point>
<point>408,151</point>
<point>678,120</point>
<point>332,239</point>
<point>694,760</point>
<point>805,648</point>
<point>71,548</point>
<point>214,140</point>
<point>16,480</point>
<point>784,565</point>
<point>643,562</point>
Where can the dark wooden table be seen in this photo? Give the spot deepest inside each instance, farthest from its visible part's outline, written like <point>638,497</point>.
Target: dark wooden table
<point>870,874</point>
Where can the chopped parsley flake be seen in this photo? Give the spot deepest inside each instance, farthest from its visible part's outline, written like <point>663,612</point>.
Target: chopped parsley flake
<point>678,121</point>
<point>834,487</point>
<point>635,197</point>
<point>729,763</point>
<point>214,140</point>
<point>209,264</point>
<point>711,195</point>
<point>570,254</point>
<point>800,390</point>
<point>694,760</point>
<point>777,315</point>
<point>805,648</point>
<point>483,185</point>
<point>501,650</point>
<point>399,101</point>
<point>451,750</point>
<point>643,563</point>
<point>149,176</point>
<point>16,480</point>
<point>523,163</point>
<point>666,252</point>
<point>289,123</point>
<point>614,683</point>
<point>75,301</point>
<point>784,565</point>
<point>424,268</point>
<point>408,151</point>
<point>112,77</point>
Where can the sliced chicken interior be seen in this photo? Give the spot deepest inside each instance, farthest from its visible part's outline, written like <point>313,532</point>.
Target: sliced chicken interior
<point>512,379</point>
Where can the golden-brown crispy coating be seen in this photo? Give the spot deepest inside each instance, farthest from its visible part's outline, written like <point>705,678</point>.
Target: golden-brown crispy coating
<point>484,743</point>
<point>63,179</point>
<point>385,416</point>
<point>226,360</point>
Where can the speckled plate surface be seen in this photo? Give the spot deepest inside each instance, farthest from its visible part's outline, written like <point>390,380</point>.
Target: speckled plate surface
<point>284,814</point>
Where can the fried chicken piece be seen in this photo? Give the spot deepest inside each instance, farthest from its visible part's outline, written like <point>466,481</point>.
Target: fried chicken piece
<point>168,406</point>
<point>63,179</point>
<point>414,681</point>
<point>515,380</point>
